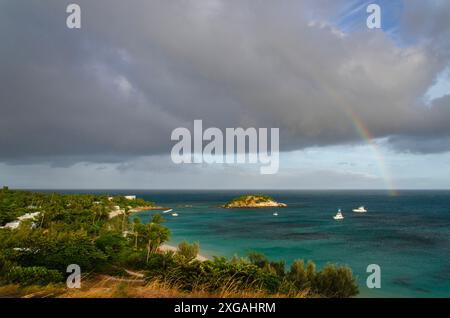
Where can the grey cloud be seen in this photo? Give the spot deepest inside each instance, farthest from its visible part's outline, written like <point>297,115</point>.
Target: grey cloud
<point>138,69</point>
<point>429,135</point>
<point>419,144</point>
<point>427,22</point>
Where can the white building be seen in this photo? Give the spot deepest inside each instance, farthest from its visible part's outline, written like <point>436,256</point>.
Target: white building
<point>130,197</point>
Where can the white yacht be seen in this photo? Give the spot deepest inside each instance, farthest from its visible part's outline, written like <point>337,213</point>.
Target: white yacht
<point>174,214</point>
<point>361,209</point>
<point>338,215</point>
<point>167,211</point>
<point>275,213</point>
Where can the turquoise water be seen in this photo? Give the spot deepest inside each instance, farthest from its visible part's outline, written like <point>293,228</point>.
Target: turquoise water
<point>407,235</point>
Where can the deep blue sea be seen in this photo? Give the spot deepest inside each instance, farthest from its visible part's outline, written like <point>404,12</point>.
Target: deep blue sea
<point>407,235</point>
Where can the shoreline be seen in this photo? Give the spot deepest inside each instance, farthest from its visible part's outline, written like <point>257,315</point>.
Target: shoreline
<point>146,208</point>
<point>167,247</point>
<point>116,212</point>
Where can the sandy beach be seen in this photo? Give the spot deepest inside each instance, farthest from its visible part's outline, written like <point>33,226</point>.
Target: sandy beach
<point>163,247</point>
<point>145,208</point>
<point>167,247</point>
<point>117,211</point>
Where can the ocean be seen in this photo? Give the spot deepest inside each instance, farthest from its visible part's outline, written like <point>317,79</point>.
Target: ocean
<point>407,235</point>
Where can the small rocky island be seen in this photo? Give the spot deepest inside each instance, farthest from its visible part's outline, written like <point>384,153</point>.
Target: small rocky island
<point>253,201</point>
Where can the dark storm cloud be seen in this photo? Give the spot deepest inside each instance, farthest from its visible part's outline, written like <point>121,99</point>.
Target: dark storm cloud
<point>138,69</point>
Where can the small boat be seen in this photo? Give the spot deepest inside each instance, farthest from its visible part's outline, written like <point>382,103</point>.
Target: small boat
<point>275,213</point>
<point>361,209</point>
<point>338,215</point>
<point>167,211</point>
<point>174,214</point>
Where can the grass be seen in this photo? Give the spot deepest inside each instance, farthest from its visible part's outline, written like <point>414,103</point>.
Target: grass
<point>16,291</point>
<point>106,287</point>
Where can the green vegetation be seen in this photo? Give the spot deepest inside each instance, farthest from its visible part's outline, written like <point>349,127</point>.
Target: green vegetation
<point>253,201</point>
<point>34,275</point>
<point>188,252</point>
<point>256,197</point>
<point>70,229</point>
<point>136,203</point>
<point>252,274</point>
<point>77,229</point>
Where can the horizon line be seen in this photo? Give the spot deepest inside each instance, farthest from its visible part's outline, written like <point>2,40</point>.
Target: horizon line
<point>227,189</point>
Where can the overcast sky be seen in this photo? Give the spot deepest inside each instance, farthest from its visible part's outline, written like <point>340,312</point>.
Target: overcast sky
<point>95,107</point>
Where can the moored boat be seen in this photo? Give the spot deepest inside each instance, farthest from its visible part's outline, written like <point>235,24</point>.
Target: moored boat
<point>361,209</point>
<point>339,215</point>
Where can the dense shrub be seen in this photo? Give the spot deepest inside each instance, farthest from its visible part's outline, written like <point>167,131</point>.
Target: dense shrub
<point>188,252</point>
<point>243,275</point>
<point>5,266</point>
<point>335,281</point>
<point>161,265</point>
<point>297,275</point>
<point>211,275</point>
<point>134,259</point>
<point>258,259</point>
<point>258,273</point>
<point>57,250</point>
<point>35,275</point>
<point>111,244</point>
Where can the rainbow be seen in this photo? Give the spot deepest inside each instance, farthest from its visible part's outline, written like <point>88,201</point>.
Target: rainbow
<point>365,134</point>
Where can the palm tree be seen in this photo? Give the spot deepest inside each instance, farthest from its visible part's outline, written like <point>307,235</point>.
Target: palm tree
<point>125,217</point>
<point>155,234</point>
<point>137,228</point>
